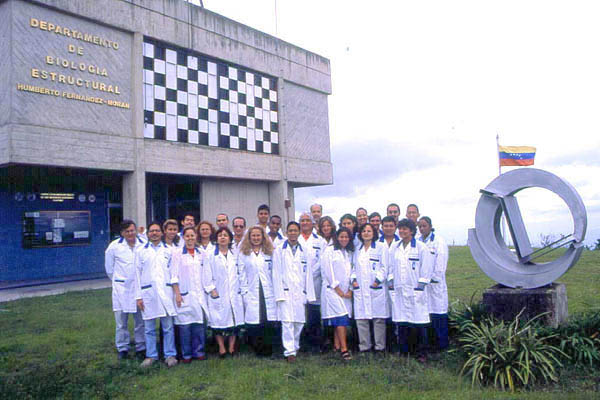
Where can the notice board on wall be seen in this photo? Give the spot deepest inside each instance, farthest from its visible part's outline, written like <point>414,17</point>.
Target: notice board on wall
<point>56,228</point>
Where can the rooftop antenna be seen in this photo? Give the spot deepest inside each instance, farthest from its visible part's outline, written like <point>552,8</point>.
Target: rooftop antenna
<point>275,17</point>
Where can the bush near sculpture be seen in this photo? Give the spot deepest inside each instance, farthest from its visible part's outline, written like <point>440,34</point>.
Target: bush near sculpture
<point>521,353</point>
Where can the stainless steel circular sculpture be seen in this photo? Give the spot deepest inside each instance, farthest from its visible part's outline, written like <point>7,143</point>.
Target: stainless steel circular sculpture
<point>517,269</point>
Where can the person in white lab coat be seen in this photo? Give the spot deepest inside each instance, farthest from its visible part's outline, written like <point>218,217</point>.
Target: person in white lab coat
<point>362,216</point>
<point>388,238</point>
<point>119,265</point>
<point>313,246</point>
<point>369,290</point>
<point>326,229</point>
<point>411,266</point>
<point>336,268</point>
<point>171,237</point>
<point>375,220</point>
<point>412,213</point>
<point>188,220</point>
<point>437,291</point>
<point>293,287</point>
<point>206,232</point>
<point>255,264</point>
<point>154,295</point>
<point>262,216</point>
<point>239,230</point>
<point>349,221</point>
<point>190,299</point>
<point>274,233</point>
<point>221,281</point>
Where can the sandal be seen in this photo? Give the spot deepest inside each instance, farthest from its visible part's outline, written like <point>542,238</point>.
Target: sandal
<point>346,356</point>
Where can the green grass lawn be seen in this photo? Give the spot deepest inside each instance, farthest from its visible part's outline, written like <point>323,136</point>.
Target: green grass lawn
<point>62,347</point>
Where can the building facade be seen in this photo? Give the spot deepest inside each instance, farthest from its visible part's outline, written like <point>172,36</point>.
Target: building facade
<point>145,110</point>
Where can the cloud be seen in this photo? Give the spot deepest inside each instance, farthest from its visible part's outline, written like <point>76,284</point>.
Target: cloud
<point>588,157</point>
<point>357,165</point>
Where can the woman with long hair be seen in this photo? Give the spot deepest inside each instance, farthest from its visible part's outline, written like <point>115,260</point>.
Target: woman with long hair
<point>186,280</point>
<point>336,267</point>
<point>206,232</point>
<point>370,292</point>
<point>255,266</point>
<point>222,283</point>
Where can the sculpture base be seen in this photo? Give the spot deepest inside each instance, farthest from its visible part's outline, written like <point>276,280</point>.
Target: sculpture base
<point>505,303</point>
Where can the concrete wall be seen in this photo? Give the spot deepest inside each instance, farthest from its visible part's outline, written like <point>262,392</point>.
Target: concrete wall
<point>232,197</point>
<point>192,27</point>
<point>5,73</point>
<point>181,158</point>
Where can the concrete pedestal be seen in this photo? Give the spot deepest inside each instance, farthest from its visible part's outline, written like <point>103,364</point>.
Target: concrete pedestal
<point>505,303</point>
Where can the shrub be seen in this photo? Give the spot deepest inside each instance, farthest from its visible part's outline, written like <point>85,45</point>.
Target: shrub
<point>508,355</point>
<point>579,338</point>
<point>460,315</point>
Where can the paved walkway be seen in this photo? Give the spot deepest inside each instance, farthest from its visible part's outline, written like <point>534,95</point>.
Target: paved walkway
<point>52,289</point>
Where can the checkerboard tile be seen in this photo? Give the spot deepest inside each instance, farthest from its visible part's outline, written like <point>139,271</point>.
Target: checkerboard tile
<point>191,98</point>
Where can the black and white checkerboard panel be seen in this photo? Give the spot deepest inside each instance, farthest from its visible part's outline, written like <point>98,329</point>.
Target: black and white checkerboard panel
<point>194,99</point>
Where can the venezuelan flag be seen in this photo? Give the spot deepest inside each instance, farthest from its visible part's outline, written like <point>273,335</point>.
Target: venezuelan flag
<point>511,156</point>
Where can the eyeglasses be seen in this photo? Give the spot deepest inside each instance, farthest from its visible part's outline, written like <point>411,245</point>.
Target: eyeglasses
<point>239,226</point>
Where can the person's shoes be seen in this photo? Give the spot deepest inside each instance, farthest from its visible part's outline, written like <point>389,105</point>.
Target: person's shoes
<point>199,358</point>
<point>222,355</point>
<point>422,359</point>
<point>140,355</point>
<point>186,360</point>
<point>123,355</point>
<point>346,356</point>
<point>291,359</point>
<point>147,363</point>
<point>170,361</point>
<point>380,353</point>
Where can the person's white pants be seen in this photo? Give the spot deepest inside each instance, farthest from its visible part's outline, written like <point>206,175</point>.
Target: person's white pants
<point>290,336</point>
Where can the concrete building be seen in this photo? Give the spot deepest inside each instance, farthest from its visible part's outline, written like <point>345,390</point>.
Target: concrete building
<point>144,109</point>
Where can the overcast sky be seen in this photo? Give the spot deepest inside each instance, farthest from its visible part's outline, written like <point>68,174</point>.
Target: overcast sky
<point>421,88</point>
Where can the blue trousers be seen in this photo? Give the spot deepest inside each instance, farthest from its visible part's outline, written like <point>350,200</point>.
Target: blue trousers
<point>422,339</point>
<point>192,339</point>
<point>439,322</point>
<point>168,337</point>
<point>313,332</point>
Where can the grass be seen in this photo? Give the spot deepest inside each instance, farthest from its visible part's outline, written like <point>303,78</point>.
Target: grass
<point>62,347</point>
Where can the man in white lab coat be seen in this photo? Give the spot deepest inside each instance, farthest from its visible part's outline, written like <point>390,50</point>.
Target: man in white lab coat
<point>154,295</point>
<point>274,231</point>
<point>293,287</point>
<point>313,246</point>
<point>239,230</point>
<point>119,266</point>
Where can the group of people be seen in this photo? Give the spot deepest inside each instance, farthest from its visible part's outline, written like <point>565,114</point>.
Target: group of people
<point>383,275</point>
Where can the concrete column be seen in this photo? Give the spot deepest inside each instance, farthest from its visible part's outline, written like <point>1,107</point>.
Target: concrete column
<point>134,184</point>
<point>280,191</point>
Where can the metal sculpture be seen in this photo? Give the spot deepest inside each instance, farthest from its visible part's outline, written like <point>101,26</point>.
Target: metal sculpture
<point>517,269</point>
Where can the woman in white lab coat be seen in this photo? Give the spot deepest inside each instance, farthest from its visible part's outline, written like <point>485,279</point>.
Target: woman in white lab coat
<point>349,221</point>
<point>293,288</point>
<point>255,264</point>
<point>411,265</point>
<point>437,291</point>
<point>170,230</point>
<point>206,231</point>
<point>222,283</point>
<point>190,299</point>
<point>369,289</point>
<point>336,268</point>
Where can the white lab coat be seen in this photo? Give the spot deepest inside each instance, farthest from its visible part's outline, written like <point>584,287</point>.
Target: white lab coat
<point>186,271</point>
<point>119,261</point>
<point>221,273</point>
<point>292,283</point>
<point>235,247</point>
<point>408,267</point>
<point>313,248</point>
<point>153,281</point>
<point>254,269</point>
<point>391,293</point>
<point>206,250</point>
<point>336,268</point>
<point>279,239</point>
<point>437,291</point>
<point>368,266</point>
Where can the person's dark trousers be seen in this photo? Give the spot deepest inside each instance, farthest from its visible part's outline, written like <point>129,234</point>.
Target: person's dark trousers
<point>439,323</point>
<point>390,327</point>
<point>422,338</point>
<point>314,333</point>
<point>403,333</point>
